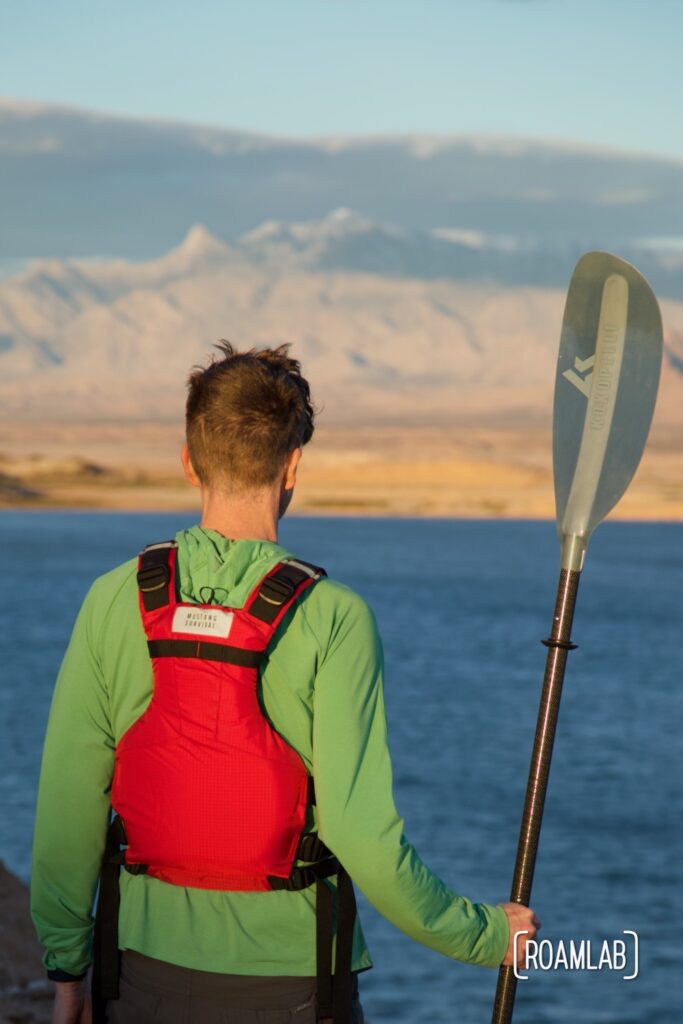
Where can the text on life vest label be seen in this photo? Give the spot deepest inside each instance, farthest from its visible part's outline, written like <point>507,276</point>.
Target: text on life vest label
<point>203,621</point>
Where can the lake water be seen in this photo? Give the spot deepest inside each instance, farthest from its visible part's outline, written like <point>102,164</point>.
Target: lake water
<point>462,607</point>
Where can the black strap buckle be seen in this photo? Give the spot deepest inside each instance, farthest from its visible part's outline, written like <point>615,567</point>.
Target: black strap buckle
<point>299,878</point>
<point>304,875</point>
<point>153,577</point>
<point>116,834</point>
<point>114,854</point>
<point>136,869</point>
<point>276,590</point>
<point>311,848</point>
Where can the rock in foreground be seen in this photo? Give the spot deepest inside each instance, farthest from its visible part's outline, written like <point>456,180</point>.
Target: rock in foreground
<point>25,992</point>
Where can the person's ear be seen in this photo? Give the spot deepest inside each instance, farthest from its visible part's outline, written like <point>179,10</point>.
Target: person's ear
<point>291,465</point>
<point>188,467</point>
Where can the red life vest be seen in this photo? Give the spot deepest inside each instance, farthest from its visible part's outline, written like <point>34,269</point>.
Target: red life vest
<point>209,794</point>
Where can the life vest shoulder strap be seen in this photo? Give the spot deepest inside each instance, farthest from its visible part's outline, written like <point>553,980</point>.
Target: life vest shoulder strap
<point>155,574</point>
<point>278,590</point>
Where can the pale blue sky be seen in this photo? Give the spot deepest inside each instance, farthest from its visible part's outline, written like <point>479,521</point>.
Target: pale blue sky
<point>599,71</point>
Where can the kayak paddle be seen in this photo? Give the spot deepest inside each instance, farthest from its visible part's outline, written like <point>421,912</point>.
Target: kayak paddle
<point>605,389</point>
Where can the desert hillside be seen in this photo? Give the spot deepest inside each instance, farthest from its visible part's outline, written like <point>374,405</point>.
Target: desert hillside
<point>434,394</point>
<point>113,340</point>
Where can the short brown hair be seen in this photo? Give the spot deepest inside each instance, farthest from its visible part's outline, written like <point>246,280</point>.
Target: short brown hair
<point>245,413</point>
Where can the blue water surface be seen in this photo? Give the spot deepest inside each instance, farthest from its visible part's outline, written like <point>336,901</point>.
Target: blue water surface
<point>461,606</point>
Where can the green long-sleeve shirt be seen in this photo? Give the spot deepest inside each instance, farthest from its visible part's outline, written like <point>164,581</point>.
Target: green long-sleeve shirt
<point>322,690</point>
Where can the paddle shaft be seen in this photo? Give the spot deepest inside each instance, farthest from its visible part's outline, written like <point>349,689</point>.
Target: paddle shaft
<point>559,644</point>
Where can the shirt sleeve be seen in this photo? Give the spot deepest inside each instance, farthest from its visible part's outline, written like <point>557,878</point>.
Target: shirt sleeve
<point>357,816</point>
<point>73,804</point>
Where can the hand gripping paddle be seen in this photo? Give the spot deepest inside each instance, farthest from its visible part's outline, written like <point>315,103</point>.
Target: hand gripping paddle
<point>605,390</point>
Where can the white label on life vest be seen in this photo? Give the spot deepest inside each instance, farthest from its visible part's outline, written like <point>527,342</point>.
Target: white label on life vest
<point>203,621</point>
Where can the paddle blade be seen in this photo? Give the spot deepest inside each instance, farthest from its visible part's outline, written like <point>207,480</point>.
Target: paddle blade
<point>605,390</point>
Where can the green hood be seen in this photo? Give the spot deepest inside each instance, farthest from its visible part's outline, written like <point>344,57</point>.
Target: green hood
<point>207,558</point>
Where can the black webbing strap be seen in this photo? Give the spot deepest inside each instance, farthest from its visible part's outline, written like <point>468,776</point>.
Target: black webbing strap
<point>279,588</point>
<point>106,956</point>
<point>342,986</point>
<point>335,991</point>
<point>205,650</point>
<point>324,932</point>
<point>154,575</point>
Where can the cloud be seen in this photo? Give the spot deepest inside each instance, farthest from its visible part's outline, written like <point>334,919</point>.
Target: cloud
<point>626,197</point>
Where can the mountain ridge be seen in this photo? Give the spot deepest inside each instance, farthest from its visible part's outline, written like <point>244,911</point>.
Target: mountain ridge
<point>83,340</point>
<point>345,240</point>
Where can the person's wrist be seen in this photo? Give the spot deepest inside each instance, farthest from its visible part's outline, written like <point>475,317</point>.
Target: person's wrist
<point>63,976</point>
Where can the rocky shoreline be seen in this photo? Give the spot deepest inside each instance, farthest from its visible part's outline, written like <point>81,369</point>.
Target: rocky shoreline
<point>25,992</point>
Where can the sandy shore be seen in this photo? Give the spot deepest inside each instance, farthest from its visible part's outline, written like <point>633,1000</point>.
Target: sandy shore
<point>395,471</point>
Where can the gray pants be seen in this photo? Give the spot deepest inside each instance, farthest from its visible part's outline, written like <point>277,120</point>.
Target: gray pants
<point>155,992</point>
